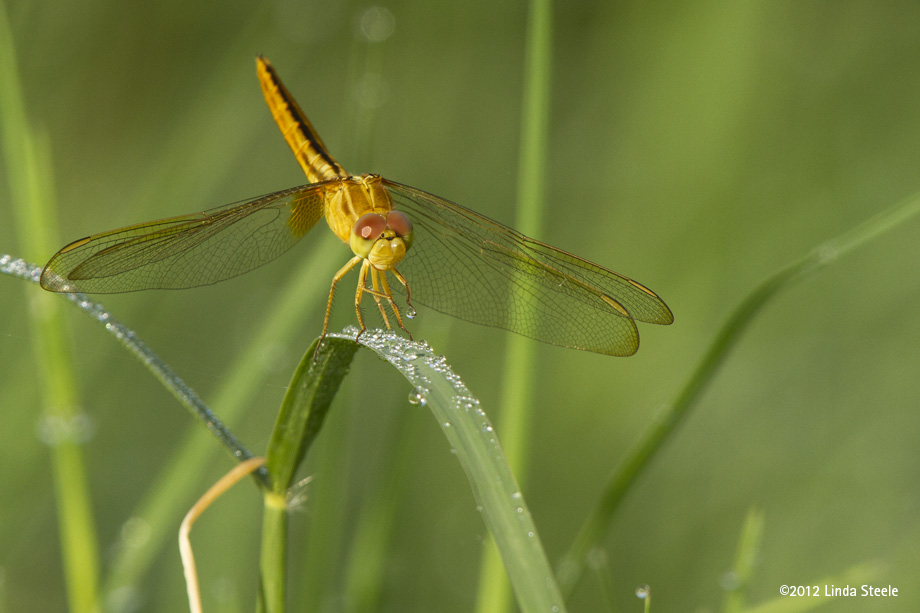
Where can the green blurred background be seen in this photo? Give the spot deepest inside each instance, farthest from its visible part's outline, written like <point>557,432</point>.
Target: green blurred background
<point>695,147</point>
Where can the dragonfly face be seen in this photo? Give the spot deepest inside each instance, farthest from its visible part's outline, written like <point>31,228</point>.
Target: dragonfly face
<point>382,241</point>
<point>460,263</point>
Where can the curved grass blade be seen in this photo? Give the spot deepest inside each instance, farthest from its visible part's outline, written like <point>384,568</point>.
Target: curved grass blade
<point>571,567</point>
<point>476,445</point>
<point>163,373</point>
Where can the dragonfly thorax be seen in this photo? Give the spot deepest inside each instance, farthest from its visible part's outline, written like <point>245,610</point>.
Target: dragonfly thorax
<point>349,198</point>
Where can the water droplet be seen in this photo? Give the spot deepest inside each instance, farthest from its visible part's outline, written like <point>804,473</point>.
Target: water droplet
<point>351,331</point>
<point>417,397</point>
<point>410,311</point>
<point>446,424</point>
<point>643,591</point>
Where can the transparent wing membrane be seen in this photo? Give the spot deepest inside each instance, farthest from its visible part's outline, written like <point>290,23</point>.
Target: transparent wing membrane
<point>474,268</point>
<point>187,251</point>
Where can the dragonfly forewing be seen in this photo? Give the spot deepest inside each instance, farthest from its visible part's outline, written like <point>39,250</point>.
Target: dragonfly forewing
<point>188,251</point>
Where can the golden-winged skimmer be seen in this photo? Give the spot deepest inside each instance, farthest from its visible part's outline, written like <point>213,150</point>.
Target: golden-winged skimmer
<point>441,254</point>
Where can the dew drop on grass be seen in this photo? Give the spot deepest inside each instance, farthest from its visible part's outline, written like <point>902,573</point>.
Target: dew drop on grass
<point>417,397</point>
<point>351,331</point>
<point>643,591</point>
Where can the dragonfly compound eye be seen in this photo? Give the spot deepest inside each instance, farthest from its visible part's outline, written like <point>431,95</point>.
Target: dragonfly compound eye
<point>365,233</point>
<point>399,223</point>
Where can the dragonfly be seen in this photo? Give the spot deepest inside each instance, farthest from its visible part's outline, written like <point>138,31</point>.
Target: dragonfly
<point>408,246</point>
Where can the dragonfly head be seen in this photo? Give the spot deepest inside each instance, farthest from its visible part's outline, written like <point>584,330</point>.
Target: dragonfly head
<point>383,241</point>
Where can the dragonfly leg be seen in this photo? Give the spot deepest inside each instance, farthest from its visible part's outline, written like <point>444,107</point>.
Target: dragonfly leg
<point>405,284</point>
<point>359,294</point>
<point>338,277</point>
<point>377,293</point>
<point>389,296</point>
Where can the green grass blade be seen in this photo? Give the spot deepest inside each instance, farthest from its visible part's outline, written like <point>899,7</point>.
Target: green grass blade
<point>571,567</point>
<point>476,446</point>
<point>517,395</point>
<point>745,559</point>
<point>313,386</point>
<point>28,158</point>
<point>305,405</point>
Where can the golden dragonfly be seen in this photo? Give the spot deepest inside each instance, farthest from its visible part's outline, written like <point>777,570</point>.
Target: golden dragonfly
<point>441,254</point>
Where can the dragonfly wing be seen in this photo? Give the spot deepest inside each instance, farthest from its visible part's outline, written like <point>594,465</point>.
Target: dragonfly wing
<point>469,266</point>
<point>187,251</point>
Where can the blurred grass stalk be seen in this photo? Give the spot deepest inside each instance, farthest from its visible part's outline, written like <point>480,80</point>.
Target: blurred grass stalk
<point>571,568</point>
<point>519,381</point>
<point>745,560</point>
<point>28,159</point>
